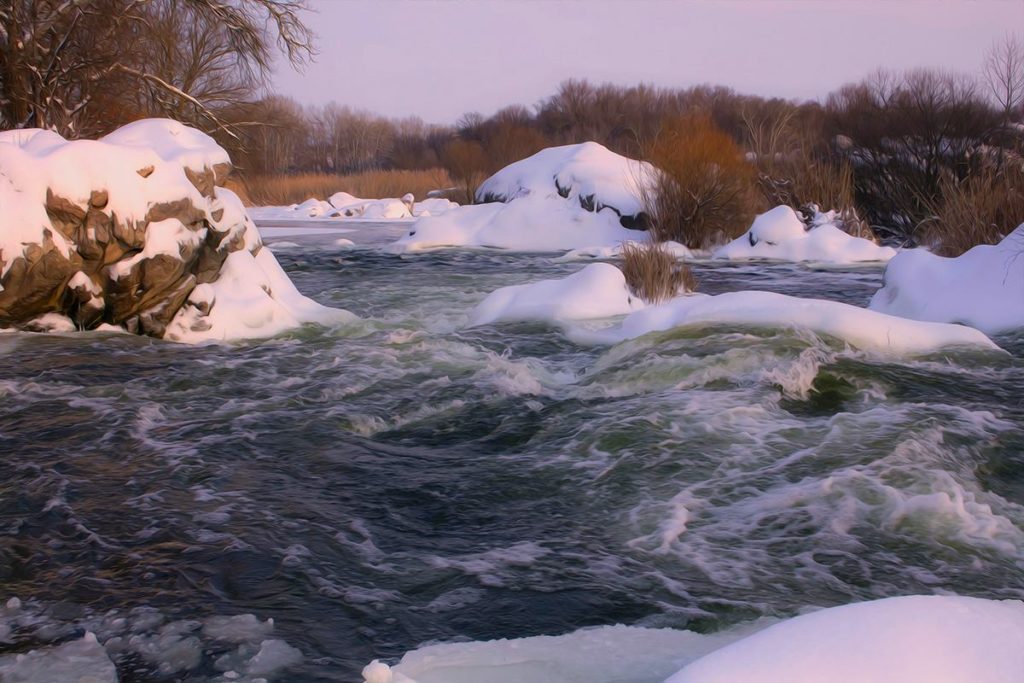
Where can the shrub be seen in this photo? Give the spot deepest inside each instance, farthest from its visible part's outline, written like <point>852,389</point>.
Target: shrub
<point>653,273</point>
<point>466,163</point>
<point>280,190</point>
<point>706,192</point>
<point>980,209</point>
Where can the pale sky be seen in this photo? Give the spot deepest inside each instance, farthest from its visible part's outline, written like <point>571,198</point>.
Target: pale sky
<point>438,60</point>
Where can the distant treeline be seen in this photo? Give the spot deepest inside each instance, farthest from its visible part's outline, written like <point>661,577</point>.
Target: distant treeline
<point>914,155</point>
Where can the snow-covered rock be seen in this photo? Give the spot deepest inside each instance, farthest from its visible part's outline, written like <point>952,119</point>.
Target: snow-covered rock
<point>914,639</point>
<point>342,205</point>
<point>597,291</point>
<point>780,235</point>
<point>983,287</point>
<point>124,230</point>
<point>859,327</point>
<point>587,173</point>
<point>533,223</point>
<point>607,252</point>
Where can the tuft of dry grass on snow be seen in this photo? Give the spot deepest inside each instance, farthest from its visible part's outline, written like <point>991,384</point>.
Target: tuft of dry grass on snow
<point>282,190</point>
<point>980,209</point>
<point>653,273</point>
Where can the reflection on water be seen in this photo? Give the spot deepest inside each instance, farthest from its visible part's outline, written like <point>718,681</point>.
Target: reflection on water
<point>406,480</point>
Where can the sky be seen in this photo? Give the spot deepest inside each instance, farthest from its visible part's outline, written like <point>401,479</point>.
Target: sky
<point>440,59</point>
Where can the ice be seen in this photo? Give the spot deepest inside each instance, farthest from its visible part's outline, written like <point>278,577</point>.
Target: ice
<point>780,235</point>
<point>345,206</point>
<point>78,661</point>
<point>527,224</point>
<point>913,639</point>
<point>585,170</point>
<point>982,287</point>
<point>237,629</point>
<point>597,291</point>
<point>861,328</point>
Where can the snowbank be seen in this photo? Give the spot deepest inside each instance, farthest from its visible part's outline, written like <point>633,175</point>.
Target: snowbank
<point>983,287</point>
<point>916,639</point>
<point>132,231</point>
<point>534,223</point>
<point>859,327</point>
<point>342,205</point>
<point>587,173</point>
<point>780,235</point>
<point>613,251</point>
<point>597,291</point>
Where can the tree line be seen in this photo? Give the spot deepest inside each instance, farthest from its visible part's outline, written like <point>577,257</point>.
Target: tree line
<point>902,152</point>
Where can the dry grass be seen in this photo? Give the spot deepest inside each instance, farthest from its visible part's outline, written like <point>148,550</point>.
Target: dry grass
<point>653,273</point>
<point>980,209</point>
<point>707,192</point>
<point>280,190</point>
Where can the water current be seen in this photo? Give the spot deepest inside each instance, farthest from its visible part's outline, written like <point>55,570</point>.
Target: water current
<point>407,480</point>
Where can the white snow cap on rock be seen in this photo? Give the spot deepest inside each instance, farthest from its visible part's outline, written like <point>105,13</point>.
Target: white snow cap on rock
<point>859,327</point>
<point>780,235</point>
<point>172,141</point>
<point>915,639</point>
<point>533,223</point>
<point>983,287</point>
<point>597,291</point>
<point>582,170</point>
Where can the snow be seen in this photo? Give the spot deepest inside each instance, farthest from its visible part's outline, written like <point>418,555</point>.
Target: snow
<point>167,237</point>
<point>780,235</point>
<point>608,654</point>
<point>528,224</point>
<point>914,639</point>
<point>78,661</point>
<point>252,297</point>
<point>859,327</point>
<point>173,141</point>
<point>582,170</point>
<point>983,287</point>
<point>597,291</point>
<point>344,206</point>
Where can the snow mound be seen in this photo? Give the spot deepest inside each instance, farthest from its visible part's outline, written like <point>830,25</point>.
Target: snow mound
<point>528,224</point>
<point>585,173</point>
<point>172,141</point>
<point>597,291</point>
<point>342,205</point>
<point>861,328</point>
<point>915,639</point>
<point>983,287</point>
<point>780,235</point>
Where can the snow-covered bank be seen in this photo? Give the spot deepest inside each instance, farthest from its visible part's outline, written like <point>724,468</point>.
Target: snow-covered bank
<point>983,287</point>
<point>780,235</point>
<point>342,205</point>
<point>538,224</point>
<point>133,231</point>
<point>914,639</point>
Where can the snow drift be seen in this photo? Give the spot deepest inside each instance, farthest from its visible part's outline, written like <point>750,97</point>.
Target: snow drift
<point>132,231</point>
<point>780,235</point>
<point>342,205</point>
<point>983,287</point>
<point>914,639</point>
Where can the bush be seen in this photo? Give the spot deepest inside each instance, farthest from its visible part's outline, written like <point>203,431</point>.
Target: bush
<point>980,209</point>
<point>707,192</point>
<point>281,190</point>
<point>653,273</point>
<point>466,162</point>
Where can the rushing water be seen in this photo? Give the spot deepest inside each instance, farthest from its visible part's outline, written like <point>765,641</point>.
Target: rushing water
<point>408,480</point>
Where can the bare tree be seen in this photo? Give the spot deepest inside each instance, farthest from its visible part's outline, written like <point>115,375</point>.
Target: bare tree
<point>1004,74</point>
<point>67,64</point>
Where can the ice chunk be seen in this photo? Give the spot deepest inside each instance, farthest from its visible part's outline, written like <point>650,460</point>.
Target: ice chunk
<point>79,661</point>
